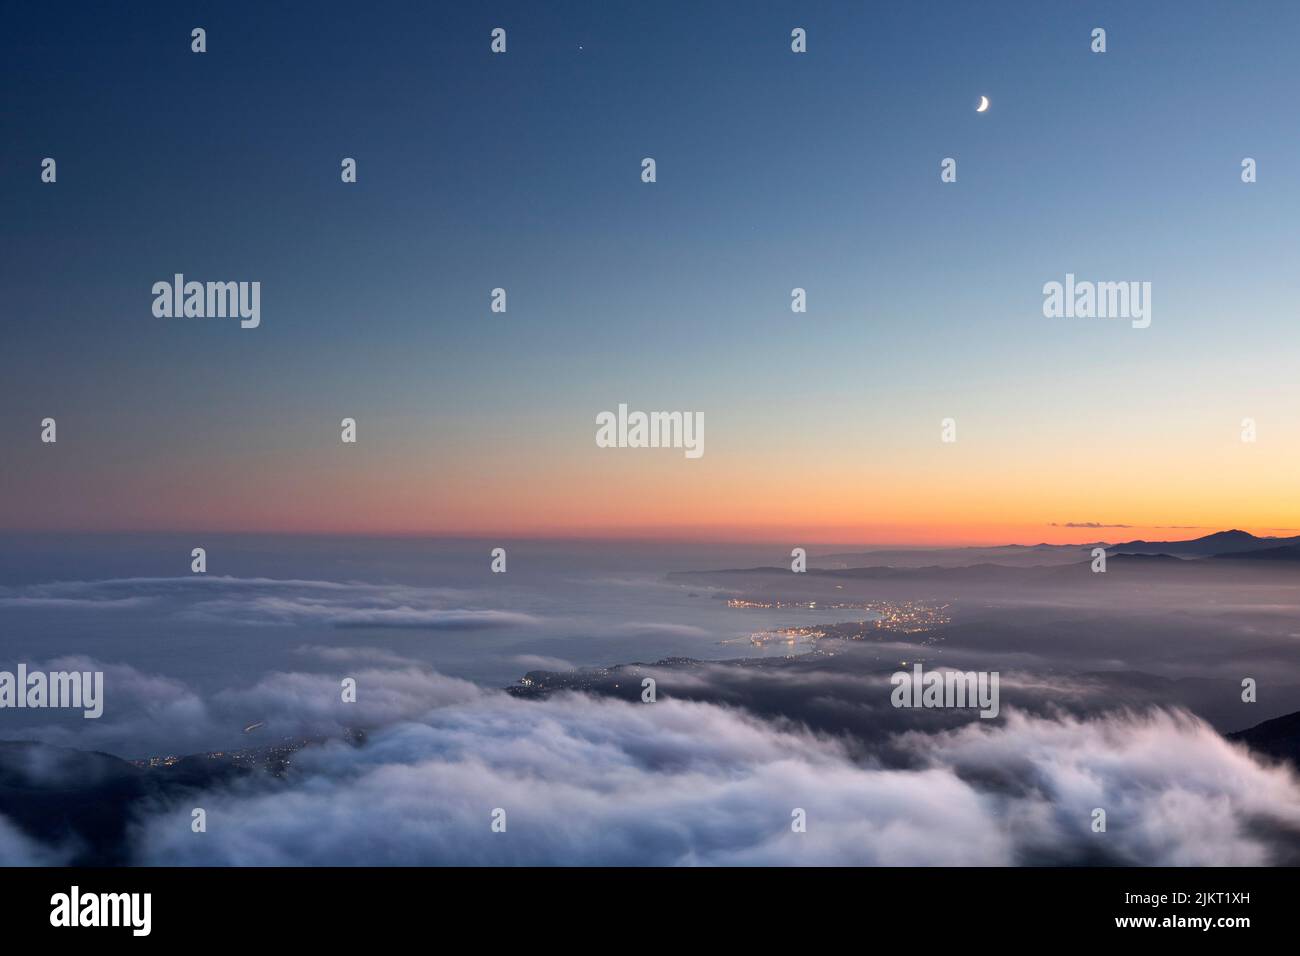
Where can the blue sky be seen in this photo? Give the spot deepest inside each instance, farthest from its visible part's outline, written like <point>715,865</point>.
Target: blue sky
<point>522,171</point>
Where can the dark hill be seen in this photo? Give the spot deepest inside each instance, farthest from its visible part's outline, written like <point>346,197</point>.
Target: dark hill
<point>1290,552</point>
<point>1211,545</point>
<point>85,799</point>
<point>1278,738</point>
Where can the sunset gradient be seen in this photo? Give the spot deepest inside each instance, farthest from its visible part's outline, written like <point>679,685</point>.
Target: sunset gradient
<point>774,172</point>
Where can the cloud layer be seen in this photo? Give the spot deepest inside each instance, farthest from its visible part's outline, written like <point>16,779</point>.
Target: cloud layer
<point>587,780</point>
<point>272,601</point>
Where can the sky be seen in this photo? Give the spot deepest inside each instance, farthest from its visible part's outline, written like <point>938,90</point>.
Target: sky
<point>775,170</point>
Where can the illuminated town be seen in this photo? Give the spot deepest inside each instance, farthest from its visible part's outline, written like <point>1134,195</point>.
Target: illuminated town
<point>271,758</point>
<point>900,617</point>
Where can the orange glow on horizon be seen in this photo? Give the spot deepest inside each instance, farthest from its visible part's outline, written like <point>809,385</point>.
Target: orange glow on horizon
<point>990,492</point>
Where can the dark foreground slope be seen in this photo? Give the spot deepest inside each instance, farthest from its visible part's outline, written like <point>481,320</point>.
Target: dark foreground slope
<point>1278,738</point>
<point>83,802</point>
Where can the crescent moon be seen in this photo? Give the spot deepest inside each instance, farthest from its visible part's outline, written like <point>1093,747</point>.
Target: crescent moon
<point>984,104</point>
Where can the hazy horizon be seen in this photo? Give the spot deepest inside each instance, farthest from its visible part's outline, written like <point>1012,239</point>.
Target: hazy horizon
<point>1108,534</point>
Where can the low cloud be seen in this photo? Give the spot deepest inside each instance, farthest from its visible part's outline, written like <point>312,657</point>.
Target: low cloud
<point>587,780</point>
<point>644,628</point>
<point>255,602</point>
<point>150,715</point>
<point>16,849</point>
<point>1099,524</point>
<point>539,662</point>
<point>1087,524</point>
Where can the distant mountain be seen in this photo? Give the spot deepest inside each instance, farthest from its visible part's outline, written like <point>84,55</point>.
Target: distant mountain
<point>1215,545</point>
<point>1008,555</point>
<point>1211,545</point>
<point>1144,559</point>
<point>1279,737</point>
<point>1289,552</point>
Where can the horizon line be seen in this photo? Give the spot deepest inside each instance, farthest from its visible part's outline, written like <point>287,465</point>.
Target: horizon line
<point>629,536</point>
